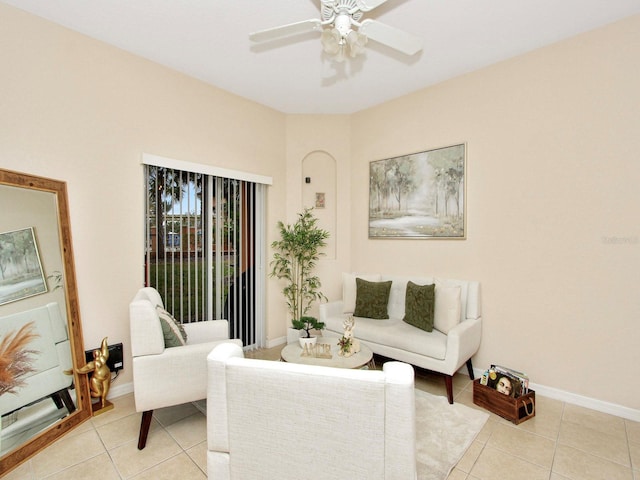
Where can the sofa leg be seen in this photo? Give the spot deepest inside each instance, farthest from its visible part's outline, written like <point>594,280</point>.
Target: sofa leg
<point>470,370</point>
<point>67,400</point>
<point>61,398</point>
<point>144,428</point>
<point>448,381</point>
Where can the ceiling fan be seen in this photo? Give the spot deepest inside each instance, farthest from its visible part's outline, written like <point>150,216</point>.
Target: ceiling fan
<point>342,31</point>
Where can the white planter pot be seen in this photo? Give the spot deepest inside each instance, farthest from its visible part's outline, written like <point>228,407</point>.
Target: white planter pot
<point>307,341</point>
<point>292,335</point>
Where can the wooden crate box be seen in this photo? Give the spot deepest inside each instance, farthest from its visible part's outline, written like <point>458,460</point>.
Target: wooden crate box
<point>515,410</point>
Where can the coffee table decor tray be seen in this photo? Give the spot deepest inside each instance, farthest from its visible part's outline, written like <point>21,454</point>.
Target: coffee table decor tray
<point>319,350</point>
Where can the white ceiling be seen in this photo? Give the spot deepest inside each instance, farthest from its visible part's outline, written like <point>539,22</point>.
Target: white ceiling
<point>208,39</point>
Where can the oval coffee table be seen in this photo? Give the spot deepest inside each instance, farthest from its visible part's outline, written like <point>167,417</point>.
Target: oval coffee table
<point>364,358</point>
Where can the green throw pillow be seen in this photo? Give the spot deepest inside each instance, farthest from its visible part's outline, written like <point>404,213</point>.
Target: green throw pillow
<point>172,330</point>
<point>419,305</point>
<point>372,299</point>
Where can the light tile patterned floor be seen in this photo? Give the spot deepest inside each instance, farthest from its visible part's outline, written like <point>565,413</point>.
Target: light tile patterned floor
<point>562,442</point>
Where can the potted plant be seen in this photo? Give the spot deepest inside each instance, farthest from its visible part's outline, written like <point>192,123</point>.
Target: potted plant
<point>307,324</point>
<point>295,257</point>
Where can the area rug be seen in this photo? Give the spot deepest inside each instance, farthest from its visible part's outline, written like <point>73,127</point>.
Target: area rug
<point>444,432</point>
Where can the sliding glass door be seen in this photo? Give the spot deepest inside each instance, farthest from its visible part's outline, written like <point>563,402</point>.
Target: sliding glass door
<point>205,248</point>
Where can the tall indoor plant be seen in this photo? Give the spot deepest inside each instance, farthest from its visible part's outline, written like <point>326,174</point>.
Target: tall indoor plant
<point>294,259</point>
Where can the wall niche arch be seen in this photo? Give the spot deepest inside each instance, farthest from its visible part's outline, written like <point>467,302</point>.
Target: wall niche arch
<point>319,190</point>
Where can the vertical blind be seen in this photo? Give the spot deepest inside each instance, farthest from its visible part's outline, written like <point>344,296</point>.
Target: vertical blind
<point>205,246</point>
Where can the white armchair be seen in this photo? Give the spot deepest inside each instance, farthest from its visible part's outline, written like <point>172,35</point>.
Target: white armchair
<point>163,377</point>
<point>291,421</point>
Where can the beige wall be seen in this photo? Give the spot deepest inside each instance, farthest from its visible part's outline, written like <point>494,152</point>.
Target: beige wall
<point>314,140</point>
<point>553,205</point>
<point>74,109</point>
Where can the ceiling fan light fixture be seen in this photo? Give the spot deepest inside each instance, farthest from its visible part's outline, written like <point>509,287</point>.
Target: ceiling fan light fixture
<point>356,42</point>
<point>338,38</point>
<point>337,43</point>
<point>330,41</point>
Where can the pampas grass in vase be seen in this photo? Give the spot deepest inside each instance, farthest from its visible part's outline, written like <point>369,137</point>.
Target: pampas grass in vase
<point>15,359</point>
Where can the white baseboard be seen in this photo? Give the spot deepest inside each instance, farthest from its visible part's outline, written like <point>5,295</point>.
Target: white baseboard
<point>575,399</point>
<point>120,390</point>
<point>550,392</point>
<point>587,402</point>
<point>274,342</point>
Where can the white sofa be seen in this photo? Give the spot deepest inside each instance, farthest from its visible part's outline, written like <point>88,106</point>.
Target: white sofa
<point>51,358</point>
<point>440,352</point>
<point>290,421</point>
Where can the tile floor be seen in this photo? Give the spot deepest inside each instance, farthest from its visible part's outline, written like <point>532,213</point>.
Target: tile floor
<point>562,442</point>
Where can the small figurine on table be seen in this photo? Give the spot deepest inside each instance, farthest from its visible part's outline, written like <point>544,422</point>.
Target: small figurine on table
<point>348,344</point>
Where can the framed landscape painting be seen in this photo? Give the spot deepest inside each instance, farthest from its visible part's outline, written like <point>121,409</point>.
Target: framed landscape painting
<point>421,195</point>
<point>21,274</point>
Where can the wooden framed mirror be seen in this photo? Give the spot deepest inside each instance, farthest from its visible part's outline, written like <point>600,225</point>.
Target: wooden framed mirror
<point>40,331</point>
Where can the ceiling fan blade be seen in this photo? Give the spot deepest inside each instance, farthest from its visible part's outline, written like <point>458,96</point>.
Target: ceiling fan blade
<point>391,37</point>
<point>285,30</point>
<point>366,5</point>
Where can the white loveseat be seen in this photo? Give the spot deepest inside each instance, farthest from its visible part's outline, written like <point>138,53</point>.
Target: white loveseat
<point>287,421</point>
<point>443,351</point>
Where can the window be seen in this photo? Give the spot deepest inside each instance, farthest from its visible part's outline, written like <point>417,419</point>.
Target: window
<point>205,244</point>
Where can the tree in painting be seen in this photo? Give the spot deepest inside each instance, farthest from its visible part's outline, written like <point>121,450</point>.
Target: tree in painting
<point>418,195</point>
